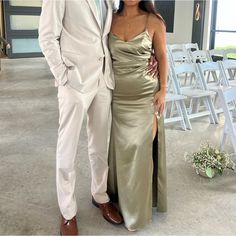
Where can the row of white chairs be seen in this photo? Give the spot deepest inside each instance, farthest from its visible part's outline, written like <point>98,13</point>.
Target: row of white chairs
<point>187,53</point>
<point>189,85</point>
<point>198,87</point>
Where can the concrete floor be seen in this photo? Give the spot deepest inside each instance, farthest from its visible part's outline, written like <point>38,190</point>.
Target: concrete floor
<point>28,134</point>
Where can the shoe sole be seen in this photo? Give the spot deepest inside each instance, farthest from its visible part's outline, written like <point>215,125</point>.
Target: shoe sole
<point>97,205</point>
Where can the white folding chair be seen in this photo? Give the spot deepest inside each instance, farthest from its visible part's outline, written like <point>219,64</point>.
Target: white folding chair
<point>178,111</point>
<point>228,67</point>
<point>178,55</point>
<point>228,96</point>
<point>216,80</point>
<point>229,54</point>
<point>195,91</point>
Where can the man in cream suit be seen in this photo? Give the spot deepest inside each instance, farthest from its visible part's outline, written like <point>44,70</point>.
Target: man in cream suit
<point>73,38</point>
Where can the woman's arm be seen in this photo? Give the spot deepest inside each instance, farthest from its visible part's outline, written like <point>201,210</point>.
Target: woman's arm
<point>159,44</point>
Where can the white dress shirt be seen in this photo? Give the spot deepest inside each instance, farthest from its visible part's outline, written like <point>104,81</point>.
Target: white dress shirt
<point>102,11</point>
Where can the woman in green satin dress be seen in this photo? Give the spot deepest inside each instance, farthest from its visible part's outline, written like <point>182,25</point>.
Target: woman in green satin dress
<point>137,156</point>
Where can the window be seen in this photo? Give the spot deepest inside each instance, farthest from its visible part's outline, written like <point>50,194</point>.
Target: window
<point>24,22</point>
<point>22,19</point>
<point>26,3</point>
<point>223,30</point>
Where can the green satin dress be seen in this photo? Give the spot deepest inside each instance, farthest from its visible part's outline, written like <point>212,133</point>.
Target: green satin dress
<point>137,164</point>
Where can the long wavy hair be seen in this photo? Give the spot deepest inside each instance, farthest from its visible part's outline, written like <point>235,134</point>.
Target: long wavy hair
<point>145,5</point>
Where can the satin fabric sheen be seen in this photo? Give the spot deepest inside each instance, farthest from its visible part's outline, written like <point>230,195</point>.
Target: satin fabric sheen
<point>137,174</point>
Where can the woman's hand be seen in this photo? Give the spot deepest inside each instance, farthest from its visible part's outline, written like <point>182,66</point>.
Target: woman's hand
<point>159,101</point>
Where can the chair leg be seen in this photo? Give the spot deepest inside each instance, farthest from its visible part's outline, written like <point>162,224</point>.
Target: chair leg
<point>185,114</point>
<point>223,139</point>
<point>233,140</point>
<point>208,77</point>
<point>165,110</point>
<point>222,144</point>
<point>190,109</point>
<point>185,79</point>
<point>231,75</point>
<point>213,110</point>
<point>197,105</point>
<point>234,74</point>
<point>178,106</point>
<point>191,78</point>
<point>207,105</point>
<point>172,109</point>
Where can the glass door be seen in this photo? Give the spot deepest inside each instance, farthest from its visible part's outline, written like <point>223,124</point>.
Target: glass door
<point>223,32</point>
<point>21,27</point>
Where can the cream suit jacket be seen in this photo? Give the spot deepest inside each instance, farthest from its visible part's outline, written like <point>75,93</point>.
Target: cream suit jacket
<point>74,44</point>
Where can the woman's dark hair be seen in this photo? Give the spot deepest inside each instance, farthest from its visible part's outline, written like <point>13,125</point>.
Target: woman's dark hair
<point>145,5</point>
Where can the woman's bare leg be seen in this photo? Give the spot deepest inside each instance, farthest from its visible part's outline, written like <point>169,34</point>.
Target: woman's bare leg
<point>155,125</point>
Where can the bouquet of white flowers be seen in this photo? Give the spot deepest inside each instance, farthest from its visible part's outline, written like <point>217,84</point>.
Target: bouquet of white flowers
<point>209,160</point>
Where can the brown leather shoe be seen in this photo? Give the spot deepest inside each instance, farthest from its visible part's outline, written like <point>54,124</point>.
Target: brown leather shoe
<point>68,227</point>
<point>109,212</point>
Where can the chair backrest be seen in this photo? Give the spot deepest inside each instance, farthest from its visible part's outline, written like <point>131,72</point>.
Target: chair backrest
<point>230,52</point>
<point>178,54</point>
<point>199,56</point>
<point>172,86</point>
<point>189,73</point>
<point>175,47</point>
<point>212,69</point>
<point>217,53</point>
<point>181,57</point>
<point>227,66</point>
<point>184,68</point>
<point>228,96</point>
<point>191,46</point>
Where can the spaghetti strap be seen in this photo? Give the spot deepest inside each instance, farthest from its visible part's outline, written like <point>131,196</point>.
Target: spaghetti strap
<point>147,21</point>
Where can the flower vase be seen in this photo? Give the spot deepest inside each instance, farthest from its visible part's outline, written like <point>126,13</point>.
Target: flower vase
<point>208,173</point>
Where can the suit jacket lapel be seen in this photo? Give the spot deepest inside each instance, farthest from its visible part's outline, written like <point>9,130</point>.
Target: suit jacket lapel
<point>106,28</point>
<point>92,5</point>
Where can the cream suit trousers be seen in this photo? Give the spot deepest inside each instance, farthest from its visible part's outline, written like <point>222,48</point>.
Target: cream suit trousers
<point>73,105</point>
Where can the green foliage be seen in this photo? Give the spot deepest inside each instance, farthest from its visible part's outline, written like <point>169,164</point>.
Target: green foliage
<point>231,55</point>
